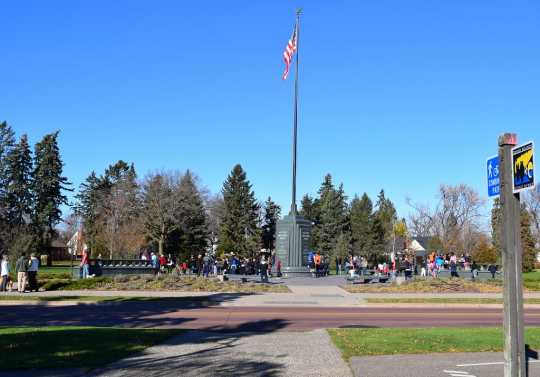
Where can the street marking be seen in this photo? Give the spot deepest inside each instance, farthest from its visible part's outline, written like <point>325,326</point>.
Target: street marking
<point>458,373</point>
<point>494,363</point>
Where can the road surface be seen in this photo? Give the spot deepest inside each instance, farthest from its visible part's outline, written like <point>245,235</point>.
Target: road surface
<point>260,319</point>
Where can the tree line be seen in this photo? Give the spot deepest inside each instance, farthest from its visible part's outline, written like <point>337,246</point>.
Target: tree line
<point>31,192</point>
<point>358,227</point>
<point>169,212</point>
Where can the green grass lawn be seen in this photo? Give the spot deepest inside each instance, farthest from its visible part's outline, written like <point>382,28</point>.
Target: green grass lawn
<point>390,341</point>
<point>72,347</point>
<point>531,280</point>
<point>55,270</point>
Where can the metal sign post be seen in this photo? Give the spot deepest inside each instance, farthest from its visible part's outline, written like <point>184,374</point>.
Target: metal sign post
<point>514,347</point>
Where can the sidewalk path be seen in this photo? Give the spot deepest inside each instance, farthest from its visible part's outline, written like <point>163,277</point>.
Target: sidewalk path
<point>205,354</point>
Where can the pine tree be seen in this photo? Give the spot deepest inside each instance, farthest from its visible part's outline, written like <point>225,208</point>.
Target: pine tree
<point>19,190</point>
<point>7,142</point>
<point>238,226</point>
<point>87,206</point>
<point>47,186</point>
<point>361,224</point>
<point>527,239</point>
<point>311,210</point>
<point>272,212</point>
<point>193,226</point>
<point>333,216</point>
<point>385,217</point>
<point>527,242</point>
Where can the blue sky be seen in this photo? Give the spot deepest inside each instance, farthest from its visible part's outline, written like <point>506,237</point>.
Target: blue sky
<point>396,95</point>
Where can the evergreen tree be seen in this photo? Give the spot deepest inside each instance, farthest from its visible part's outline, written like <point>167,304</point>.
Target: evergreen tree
<point>87,207</point>
<point>238,226</point>
<point>7,142</point>
<point>361,224</point>
<point>385,218</point>
<point>527,242</point>
<point>272,212</point>
<point>19,178</point>
<point>193,226</point>
<point>527,239</point>
<point>47,186</point>
<point>333,216</point>
<point>310,209</point>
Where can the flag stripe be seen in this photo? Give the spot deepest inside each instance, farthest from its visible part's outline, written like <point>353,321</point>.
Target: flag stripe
<point>290,49</point>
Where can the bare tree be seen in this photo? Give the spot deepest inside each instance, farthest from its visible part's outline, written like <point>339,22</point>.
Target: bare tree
<point>160,206</point>
<point>455,220</point>
<point>121,217</point>
<point>214,210</point>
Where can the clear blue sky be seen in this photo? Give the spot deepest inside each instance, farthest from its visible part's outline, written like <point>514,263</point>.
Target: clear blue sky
<point>400,95</point>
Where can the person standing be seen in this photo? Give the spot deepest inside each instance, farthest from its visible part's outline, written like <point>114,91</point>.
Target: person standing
<point>317,264</point>
<point>263,265</point>
<point>4,273</point>
<point>85,264</point>
<point>206,265</point>
<point>33,266</point>
<point>492,270</point>
<point>21,266</point>
<point>474,270</point>
<point>155,262</point>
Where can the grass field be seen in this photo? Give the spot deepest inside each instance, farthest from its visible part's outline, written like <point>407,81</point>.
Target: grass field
<point>76,347</point>
<point>442,285</point>
<point>390,341</point>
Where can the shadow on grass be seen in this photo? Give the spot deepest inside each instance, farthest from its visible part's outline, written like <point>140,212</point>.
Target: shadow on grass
<point>205,352</point>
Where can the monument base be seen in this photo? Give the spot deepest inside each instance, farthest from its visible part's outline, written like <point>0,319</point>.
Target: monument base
<point>293,235</point>
<point>292,272</point>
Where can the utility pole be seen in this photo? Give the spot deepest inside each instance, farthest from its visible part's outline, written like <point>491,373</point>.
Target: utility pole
<point>514,347</point>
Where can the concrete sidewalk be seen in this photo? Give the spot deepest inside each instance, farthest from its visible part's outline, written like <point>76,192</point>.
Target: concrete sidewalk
<point>203,354</point>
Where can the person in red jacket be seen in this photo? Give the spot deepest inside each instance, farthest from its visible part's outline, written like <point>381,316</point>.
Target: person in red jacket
<point>162,262</point>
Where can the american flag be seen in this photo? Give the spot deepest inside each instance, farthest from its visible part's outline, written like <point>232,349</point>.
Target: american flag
<point>288,53</point>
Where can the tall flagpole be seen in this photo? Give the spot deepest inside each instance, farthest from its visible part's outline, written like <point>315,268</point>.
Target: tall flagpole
<point>295,127</point>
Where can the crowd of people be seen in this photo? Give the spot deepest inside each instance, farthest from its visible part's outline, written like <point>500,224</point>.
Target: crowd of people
<point>206,264</point>
<point>26,271</point>
<point>266,264</point>
<point>431,266</point>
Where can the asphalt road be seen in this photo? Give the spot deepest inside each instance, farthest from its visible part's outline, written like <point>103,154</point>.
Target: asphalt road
<point>435,365</point>
<point>193,315</point>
